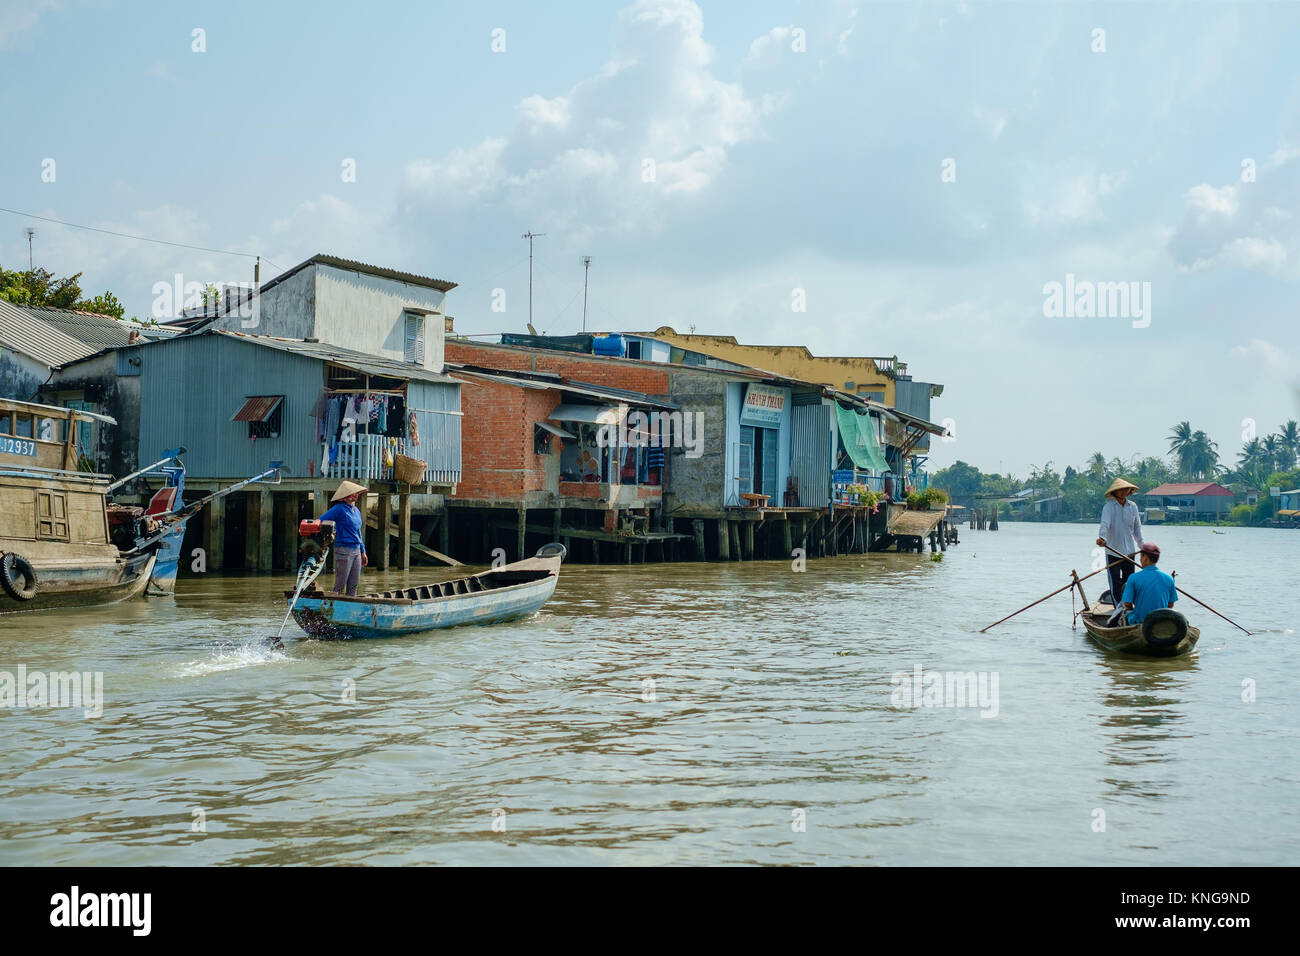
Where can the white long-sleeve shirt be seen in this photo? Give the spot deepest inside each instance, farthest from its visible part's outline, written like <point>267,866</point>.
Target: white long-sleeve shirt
<point>1121,527</point>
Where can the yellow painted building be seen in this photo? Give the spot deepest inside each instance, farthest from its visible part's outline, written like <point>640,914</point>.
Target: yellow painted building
<point>869,376</point>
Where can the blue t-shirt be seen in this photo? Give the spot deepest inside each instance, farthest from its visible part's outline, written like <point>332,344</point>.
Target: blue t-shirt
<point>347,526</point>
<point>1148,590</point>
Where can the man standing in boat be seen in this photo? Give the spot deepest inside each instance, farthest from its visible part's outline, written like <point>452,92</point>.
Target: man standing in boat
<point>1121,531</point>
<point>349,536</point>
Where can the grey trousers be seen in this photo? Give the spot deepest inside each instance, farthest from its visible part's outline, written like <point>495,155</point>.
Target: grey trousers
<point>347,569</point>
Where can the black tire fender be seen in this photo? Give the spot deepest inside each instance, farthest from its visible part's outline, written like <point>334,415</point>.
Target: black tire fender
<point>14,568</point>
<point>553,550</point>
<point>1164,627</point>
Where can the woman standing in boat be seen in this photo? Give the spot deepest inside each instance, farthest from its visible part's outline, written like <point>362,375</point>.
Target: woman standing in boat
<point>349,537</point>
<point>1121,530</point>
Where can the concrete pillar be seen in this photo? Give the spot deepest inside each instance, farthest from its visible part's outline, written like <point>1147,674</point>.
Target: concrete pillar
<point>251,512</point>
<point>214,533</point>
<point>288,556</point>
<point>522,535</point>
<point>265,529</point>
<point>404,531</point>
<point>379,552</point>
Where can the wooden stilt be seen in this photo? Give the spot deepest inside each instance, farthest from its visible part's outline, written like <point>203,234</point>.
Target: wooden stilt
<point>379,551</point>
<point>747,541</point>
<point>733,531</point>
<point>697,527</point>
<point>724,539</point>
<point>404,531</point>
<point>214,534</point>
<point>521,538</point>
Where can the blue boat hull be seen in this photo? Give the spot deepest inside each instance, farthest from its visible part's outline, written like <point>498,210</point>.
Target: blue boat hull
<point>163,580</point>
<point>335,617</point>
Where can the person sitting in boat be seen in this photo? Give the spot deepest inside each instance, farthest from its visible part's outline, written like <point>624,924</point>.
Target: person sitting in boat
<point>349,537</point>
<point>1149,589</point>
<point>1121,531</point>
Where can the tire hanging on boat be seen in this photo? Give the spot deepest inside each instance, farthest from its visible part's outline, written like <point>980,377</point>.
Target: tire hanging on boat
<point>14,567</point>
<point>1164,627</point>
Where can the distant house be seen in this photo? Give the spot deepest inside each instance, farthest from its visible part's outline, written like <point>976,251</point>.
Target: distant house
<point>1182,501</point>
<point>34,341</point>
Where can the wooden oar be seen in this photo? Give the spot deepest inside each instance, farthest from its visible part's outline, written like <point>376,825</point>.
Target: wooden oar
<point>1073,581</point>
<point>1198,601</point>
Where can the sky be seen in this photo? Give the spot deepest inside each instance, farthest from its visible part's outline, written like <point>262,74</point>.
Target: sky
<point>926,180</point>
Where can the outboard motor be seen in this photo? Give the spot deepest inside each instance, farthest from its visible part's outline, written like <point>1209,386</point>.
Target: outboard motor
<point>316,536</point>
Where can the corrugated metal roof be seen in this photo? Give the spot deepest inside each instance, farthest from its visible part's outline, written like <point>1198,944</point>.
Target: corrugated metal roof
<point>348,358</point>
<point>258,408</point>
<point>542,380</point>
<point>22,330</point>
<point>442,285</point>
<point>1191,489</point>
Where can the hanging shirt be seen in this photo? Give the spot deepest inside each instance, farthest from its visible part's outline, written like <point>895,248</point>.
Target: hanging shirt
<point>1120,526</point>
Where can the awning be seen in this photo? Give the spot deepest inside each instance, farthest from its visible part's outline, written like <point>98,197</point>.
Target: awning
<point>858,432</point>
<point>257,408</point>
<point>557,432</point>
<point>591,414</point>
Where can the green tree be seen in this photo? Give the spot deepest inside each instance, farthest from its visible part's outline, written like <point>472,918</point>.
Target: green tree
<point>959,479</point>
<point>1289,437</point>
<point>40,288</point>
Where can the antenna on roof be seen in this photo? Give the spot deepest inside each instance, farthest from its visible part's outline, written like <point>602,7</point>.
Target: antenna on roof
<point>530,236</point>
<point>586,270</point>
<point>31,234</point>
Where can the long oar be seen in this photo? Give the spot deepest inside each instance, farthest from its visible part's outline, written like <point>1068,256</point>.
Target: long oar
<point>1072,583</point>
<point>1198,601</point>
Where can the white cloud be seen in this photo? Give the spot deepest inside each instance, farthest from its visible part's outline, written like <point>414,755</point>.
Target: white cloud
<point>1247,225</point>
<point>18,16</point>
<point>578,159</point>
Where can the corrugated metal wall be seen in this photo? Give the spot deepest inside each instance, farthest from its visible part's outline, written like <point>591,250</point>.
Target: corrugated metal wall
<point>914,399</point>
<point>440,433</point>
<point>810,454</point>
<point>191,386</point>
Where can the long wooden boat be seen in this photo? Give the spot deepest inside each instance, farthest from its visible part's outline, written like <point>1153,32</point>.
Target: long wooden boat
<point>500,594</point>
<point>56,548</point>
<point>1168,635</point>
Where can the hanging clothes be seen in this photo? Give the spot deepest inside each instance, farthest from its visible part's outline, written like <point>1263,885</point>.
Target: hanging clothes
<point>413,430</point>
<point>395,426</point>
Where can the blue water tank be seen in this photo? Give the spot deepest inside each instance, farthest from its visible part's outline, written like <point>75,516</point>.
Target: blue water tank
<point>609,345</point>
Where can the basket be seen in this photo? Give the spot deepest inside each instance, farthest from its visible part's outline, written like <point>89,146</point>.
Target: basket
<point>408,470</point>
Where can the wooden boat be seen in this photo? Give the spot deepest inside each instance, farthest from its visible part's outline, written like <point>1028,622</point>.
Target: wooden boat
<point>56,549</point>
<point>500,594</point>
<point>1161,635</point>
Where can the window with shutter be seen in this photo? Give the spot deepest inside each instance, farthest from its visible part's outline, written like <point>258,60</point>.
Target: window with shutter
<point>415,339</point>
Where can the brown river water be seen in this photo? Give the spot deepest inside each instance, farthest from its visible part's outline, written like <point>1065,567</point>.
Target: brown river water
<point>773,731</point>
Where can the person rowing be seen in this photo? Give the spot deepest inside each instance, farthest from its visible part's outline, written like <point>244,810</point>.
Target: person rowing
<point>1120,531</point>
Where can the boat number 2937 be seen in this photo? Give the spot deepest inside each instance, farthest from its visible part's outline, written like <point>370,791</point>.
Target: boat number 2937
<point>18,446</point>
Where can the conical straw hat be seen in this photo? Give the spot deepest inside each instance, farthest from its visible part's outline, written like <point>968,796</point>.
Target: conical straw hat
<point>345,489</point>
<point>1119,484</point>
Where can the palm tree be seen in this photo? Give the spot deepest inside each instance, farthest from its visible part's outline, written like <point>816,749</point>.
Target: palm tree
<point>1202,456</point>
<point>1251,453</point>
<point>1290,440</point>
<point>1097,464</point>
<point>1274,452</point>
<point>1180,446</point>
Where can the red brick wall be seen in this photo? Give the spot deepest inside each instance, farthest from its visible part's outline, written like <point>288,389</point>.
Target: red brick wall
<point>598,370</point>
<point>497,440</point>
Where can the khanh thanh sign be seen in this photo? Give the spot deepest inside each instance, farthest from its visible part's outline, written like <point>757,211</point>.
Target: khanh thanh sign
<point>763,406</point>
